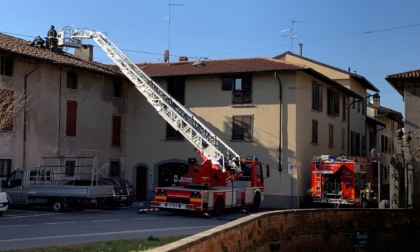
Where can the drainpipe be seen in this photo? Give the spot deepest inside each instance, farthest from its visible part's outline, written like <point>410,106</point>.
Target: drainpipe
<point>280,121</point>
<point>25,111</point>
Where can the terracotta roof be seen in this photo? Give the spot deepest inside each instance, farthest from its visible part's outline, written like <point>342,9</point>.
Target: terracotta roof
<point>398,80</point>
<point>410,75</point>
<point>232,66</point>
<point>16,46</point>
<point>226,66</point>
<point>360,78</point>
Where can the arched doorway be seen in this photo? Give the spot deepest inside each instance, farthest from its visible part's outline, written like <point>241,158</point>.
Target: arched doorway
<point>169,172</point>
<point>141,183</point>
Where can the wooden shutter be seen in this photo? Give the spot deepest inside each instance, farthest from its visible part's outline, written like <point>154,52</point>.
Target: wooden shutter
<point>71,118</point>
<point>116,130</point>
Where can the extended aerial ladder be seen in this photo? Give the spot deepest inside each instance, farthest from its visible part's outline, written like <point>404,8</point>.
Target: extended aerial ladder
<point>205,141</point>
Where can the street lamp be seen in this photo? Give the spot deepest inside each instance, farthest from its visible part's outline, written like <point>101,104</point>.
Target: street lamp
<point>376,96</point>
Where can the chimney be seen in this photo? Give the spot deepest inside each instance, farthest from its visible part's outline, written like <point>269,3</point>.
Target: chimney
<point>300,49</point>
<point>376,100</point>
<point>85,52</point>
<point>183,58</point>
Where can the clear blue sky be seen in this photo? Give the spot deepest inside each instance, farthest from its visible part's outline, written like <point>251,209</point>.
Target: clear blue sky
<point>375,37</point>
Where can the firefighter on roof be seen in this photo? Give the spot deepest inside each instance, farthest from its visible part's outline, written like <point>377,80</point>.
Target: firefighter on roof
<point>52,37</point>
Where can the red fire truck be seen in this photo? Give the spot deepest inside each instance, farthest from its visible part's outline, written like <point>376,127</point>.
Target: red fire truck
<point>341,181</point>
<point>209,190</point>
<point>222,180</point>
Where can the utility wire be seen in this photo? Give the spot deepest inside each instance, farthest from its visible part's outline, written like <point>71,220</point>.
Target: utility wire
<point>262,48</point>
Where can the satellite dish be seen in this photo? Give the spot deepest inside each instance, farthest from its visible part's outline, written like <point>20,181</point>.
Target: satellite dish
<point>375,154</point>
<point>166,55</point>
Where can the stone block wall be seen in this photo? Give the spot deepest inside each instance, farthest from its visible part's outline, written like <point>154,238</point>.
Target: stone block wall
<point>310,230</point>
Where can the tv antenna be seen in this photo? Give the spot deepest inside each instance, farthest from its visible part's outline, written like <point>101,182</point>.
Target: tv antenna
<point>169,31</point>
<point>291,35</point>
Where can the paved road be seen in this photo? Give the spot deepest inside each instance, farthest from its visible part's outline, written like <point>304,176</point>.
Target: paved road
<point>20,228</point>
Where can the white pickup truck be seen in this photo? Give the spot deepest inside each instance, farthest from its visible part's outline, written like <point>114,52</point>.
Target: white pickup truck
<point>4,204</point>
<point>54,186</point>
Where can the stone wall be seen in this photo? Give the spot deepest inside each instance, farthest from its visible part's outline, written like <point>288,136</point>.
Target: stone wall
<point>311,230</point>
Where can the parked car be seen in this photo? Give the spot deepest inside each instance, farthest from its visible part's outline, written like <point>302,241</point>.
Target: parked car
<point>131,196</point>
<point>119,196</point>
<point>4,203</point>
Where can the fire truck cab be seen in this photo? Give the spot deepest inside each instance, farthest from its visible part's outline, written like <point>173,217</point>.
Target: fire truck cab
<point>341,181</point>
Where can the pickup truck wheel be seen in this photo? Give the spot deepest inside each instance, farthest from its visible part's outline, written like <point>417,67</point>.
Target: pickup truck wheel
<point>57,205</point>
<point>219,207</point>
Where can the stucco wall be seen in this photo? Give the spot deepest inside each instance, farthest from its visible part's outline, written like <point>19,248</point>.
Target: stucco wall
<point>46,116</point>
<point>310,230</point>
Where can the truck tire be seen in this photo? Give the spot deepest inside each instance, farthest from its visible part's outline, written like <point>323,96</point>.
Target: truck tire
<point>219,207</point>
<point>257,202</point>
<point>57,205</point>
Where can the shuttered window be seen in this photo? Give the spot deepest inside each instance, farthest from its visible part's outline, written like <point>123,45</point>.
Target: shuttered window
<point>116,130</point>
<point>317,91</point>
<point>6,109</point>
<point>242,128</point>
<point>71,121</point>
<point>314,132</point>
<point>6,65</point>
<point>5,167</point>
<point>242,90</point>
<point>333,103</point>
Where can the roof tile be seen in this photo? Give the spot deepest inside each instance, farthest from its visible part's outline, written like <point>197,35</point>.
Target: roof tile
<point>17,46</point>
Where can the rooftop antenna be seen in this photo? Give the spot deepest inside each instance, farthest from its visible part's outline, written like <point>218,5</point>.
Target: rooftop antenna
<point>291,35</point>
<point>169,35</point>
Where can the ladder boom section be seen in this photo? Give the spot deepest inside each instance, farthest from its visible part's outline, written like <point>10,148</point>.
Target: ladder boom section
<point>171,110</point>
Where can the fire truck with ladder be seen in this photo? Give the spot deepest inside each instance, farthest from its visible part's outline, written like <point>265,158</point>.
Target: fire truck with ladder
<point>222,180</point>
<point>341,181</point>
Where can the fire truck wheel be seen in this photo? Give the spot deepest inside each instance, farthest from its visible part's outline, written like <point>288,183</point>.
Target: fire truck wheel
<point>219,207</point>
<point>257,202</point>
<point>57,205</point>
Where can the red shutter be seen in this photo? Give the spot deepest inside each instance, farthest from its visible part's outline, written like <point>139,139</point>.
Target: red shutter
<point>71,118</point>
<point>116,130</point>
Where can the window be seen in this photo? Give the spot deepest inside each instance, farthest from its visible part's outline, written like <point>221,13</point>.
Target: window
<point>384,144</point>
<point>345,104</point>
<point>343,139</point>
<point>117,88</point>
<point>6,65</point>
<point>331,136</point>
<point>241,87</point>
<point>71,118</point>
<point>5,167</point>
<point>6,109</point>
<point>242,128</point>
<point>355,144</point>
<point>116,130</point>
<point>333,101</point>
<point>176,88</point>
<point>114,168</point>
<point>70,168</point>
<point>314,132</point>
<point>363,151</point>
<point>317,91</point>
<point>364,106</point>
<point>227,84</point>
<point>72,80</point>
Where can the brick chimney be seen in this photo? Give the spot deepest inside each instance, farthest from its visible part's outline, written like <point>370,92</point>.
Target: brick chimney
<point>85,52</point>
<point>376,100</point>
